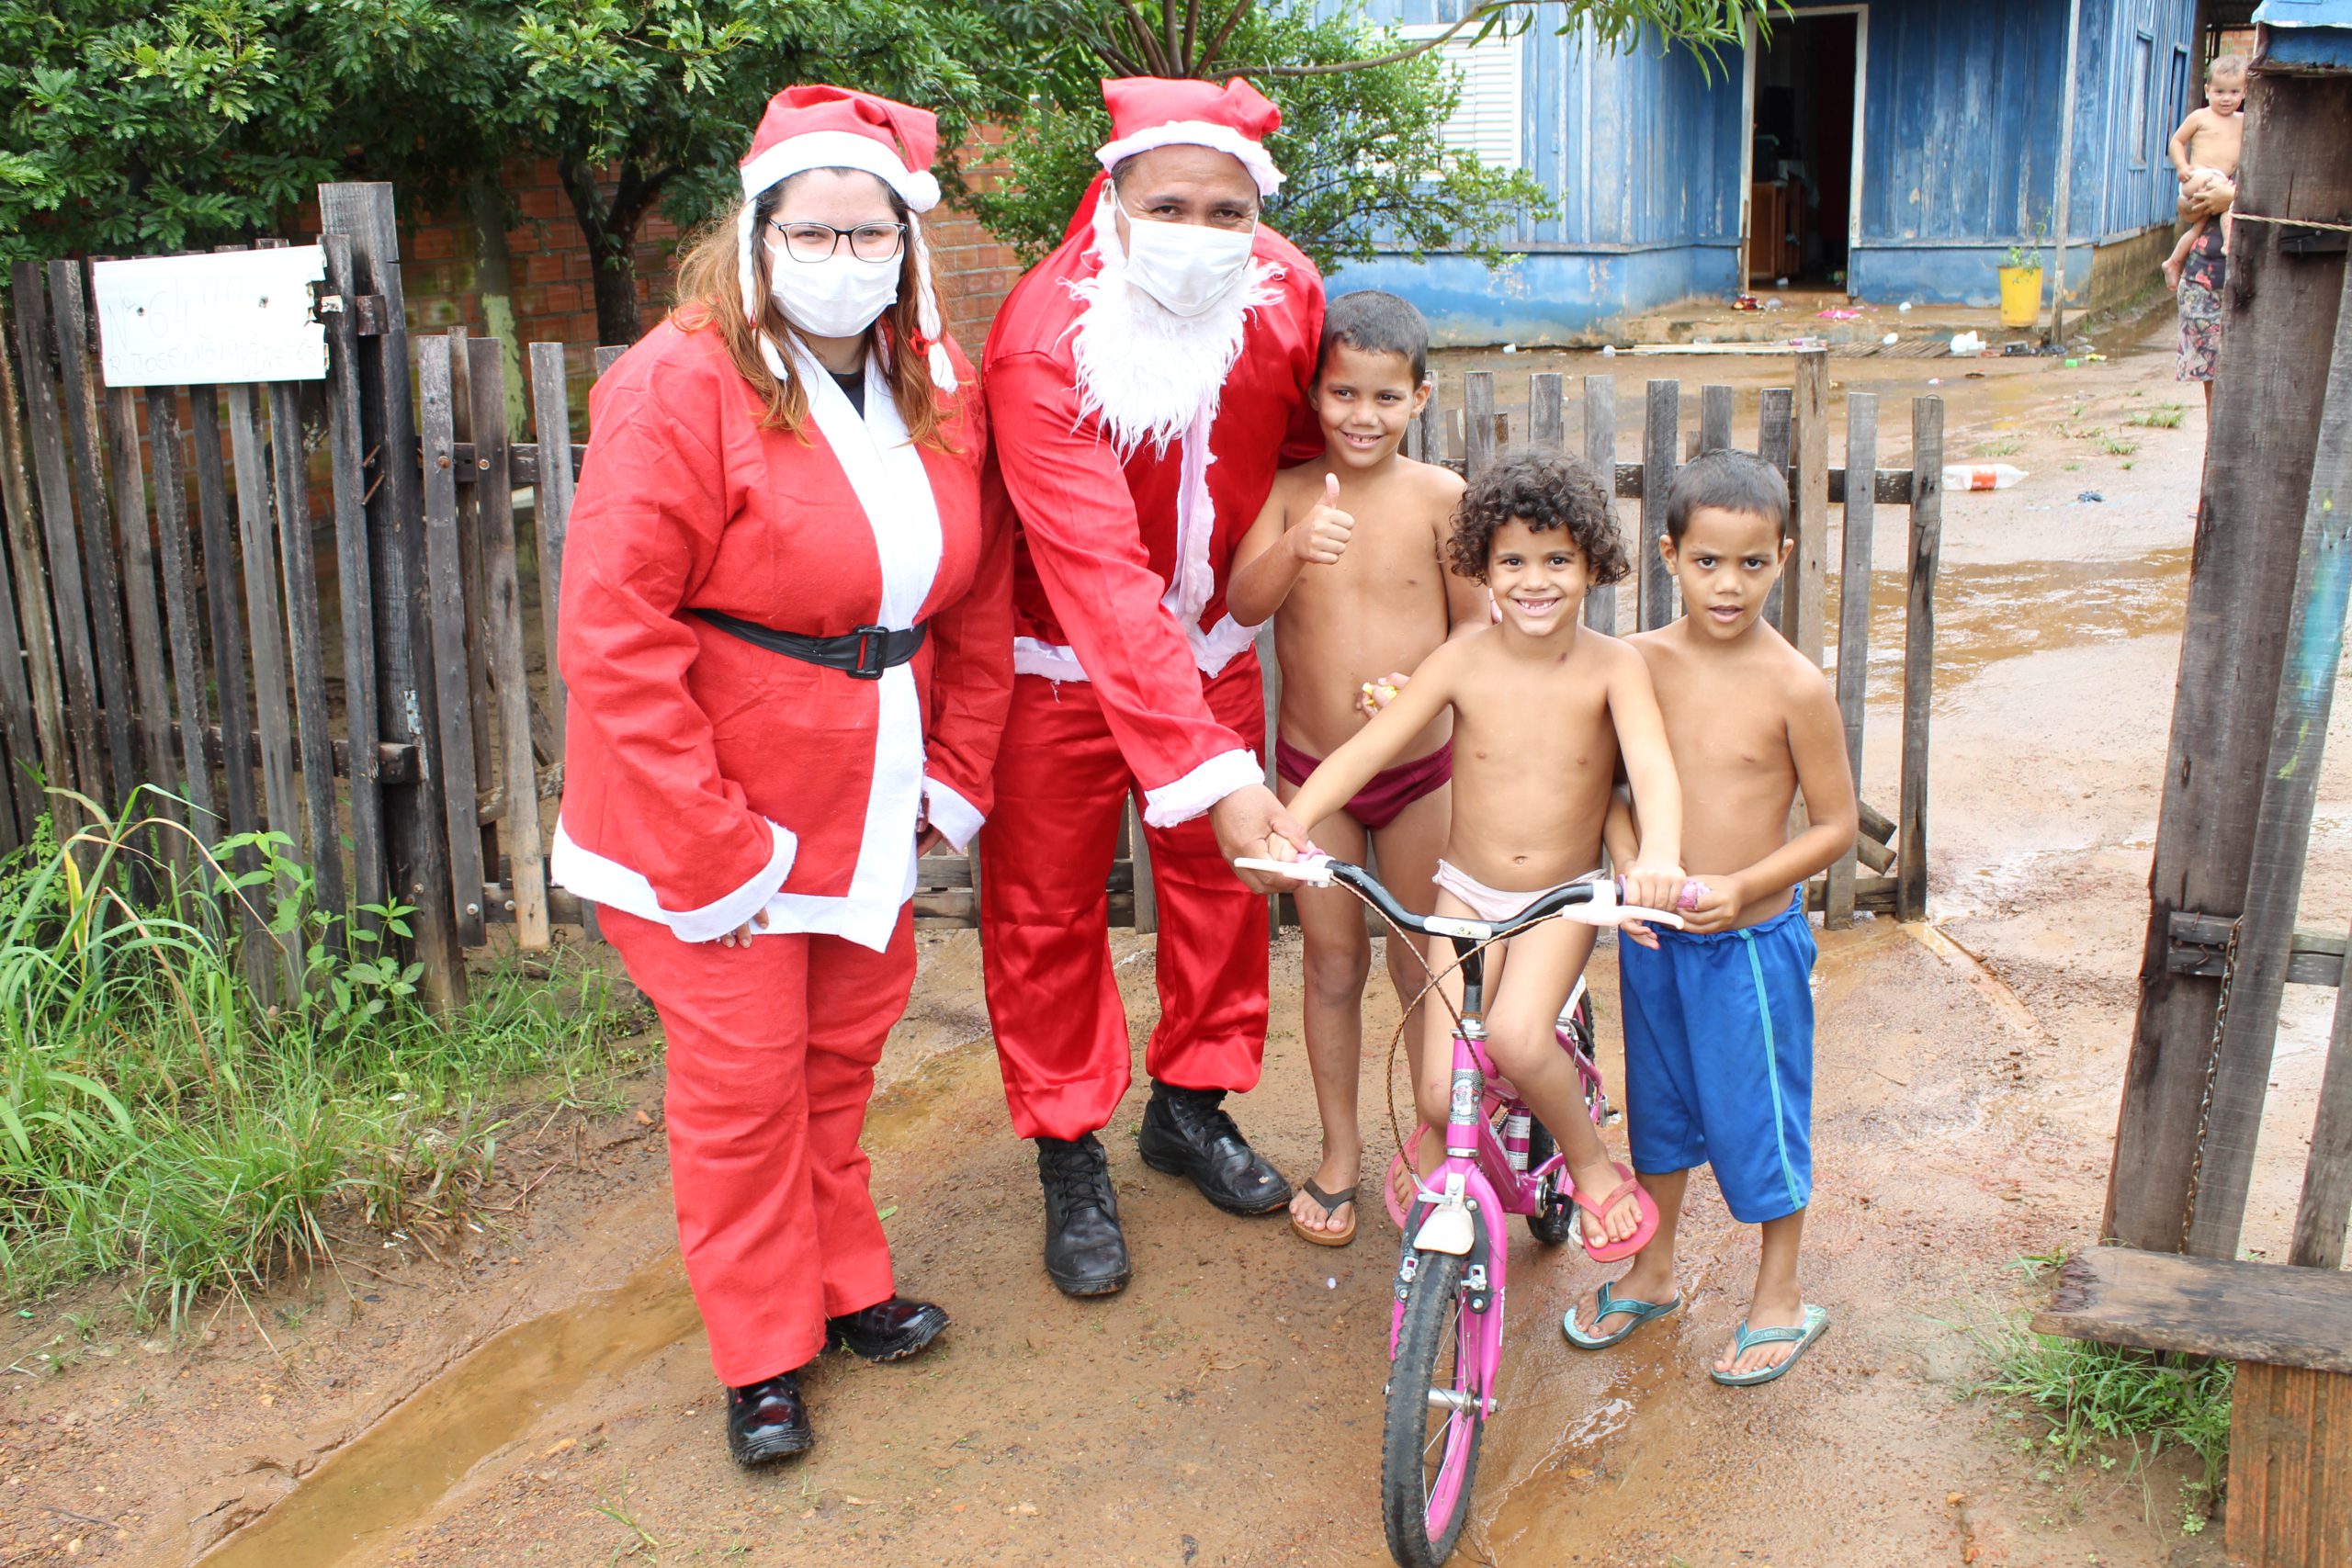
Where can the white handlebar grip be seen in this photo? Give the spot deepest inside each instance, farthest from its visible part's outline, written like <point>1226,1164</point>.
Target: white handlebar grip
<point>1310,872</point>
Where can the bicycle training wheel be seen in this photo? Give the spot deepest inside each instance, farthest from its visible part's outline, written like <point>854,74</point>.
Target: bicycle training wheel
<point>1436,1413</point>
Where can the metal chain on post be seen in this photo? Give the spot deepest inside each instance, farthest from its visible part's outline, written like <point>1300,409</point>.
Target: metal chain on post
<point>2212,1068</point>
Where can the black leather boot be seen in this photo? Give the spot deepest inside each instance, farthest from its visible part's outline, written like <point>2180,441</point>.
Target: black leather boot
<point>1187,1133</point>
<point>767,1422</point>
<point>886,1331</point>
<point>1085,1254</point>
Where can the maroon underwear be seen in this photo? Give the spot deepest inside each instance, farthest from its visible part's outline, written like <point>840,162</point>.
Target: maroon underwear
<point>1378,804</point>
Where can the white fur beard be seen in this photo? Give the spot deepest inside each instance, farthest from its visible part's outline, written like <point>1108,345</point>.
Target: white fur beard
<point>1149,372</point>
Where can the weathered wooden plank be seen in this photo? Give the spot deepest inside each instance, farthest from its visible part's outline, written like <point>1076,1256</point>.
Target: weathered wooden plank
<point>1547,423</point>
<point>551,505</point>
<point>298,563</point>
<point>445,599</point>
<point>1809,506</point>
<point>502,614</point>
<point>2282,822</point>
<point>346,463</point>
<point>1919,652</point>
<point>1775,411</point>
<point>29,579</point>
<point>149,665</point>
<point>416,849</point>
<point>45,431</point>
<point>1478,413</point>
<point>194,776</point>
<point>70,323</point>
<point>1660,419</point>
<point>1873,894</point>
<point>2201,944</point>
<point>1428,431</point>
<point>2325,1208</point>
<point>1600,456</point>
<point>2277,321</point>
<point>21,802</point>
<point>466,464</point>
<point>1872,853</point>
<point>1854,621</point>
<point>2291,1468</point>
<point>1714,418</point>
<point>2208,1306</point>
<point>240,748</point>
<point>257,547</point>
<point>607,356</point>
<point>395,760</point>
<point>1875,823</point>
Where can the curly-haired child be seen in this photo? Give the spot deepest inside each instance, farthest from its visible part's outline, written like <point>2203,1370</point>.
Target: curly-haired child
<point>1544,708</point>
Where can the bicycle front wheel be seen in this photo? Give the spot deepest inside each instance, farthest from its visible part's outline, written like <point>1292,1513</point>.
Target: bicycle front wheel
<point>1436,1413</point>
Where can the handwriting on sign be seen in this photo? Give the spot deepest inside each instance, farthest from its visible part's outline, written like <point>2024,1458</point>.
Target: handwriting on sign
<point>234,316</point>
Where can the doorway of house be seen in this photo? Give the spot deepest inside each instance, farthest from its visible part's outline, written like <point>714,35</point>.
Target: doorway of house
<point>1805,133</point>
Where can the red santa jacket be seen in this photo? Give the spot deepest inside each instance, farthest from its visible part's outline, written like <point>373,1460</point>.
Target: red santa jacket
<point>1099,552</point>
<point>706,779</point>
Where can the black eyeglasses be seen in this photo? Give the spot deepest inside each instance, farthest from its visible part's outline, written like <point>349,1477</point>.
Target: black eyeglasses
<point>816,242</point>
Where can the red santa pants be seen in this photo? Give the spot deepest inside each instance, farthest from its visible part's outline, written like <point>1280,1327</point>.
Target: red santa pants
<point>1061,1034</point>
<point>771,1054</point>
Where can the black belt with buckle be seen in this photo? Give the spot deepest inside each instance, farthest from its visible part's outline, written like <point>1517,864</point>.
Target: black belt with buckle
<point>862,655</point>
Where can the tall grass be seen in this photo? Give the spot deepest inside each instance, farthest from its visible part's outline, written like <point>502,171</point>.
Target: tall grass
<point>157,1119</point>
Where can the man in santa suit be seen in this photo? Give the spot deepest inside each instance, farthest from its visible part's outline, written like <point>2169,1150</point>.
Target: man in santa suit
<point>1141,381</point>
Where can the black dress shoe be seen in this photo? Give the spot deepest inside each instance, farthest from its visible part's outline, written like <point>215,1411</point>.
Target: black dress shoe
<point>886,1331</point>
<point>1085,1254</point>
<point>1187,1133</point>
<point>766,1422</point>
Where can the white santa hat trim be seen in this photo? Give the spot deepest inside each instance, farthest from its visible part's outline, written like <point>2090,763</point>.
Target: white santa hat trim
<point>1197,133</point>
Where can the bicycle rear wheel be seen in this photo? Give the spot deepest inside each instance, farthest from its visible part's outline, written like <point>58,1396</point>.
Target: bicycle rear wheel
<point>1437,1414</point>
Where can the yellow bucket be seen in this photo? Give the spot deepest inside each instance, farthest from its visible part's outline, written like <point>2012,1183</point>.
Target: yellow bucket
<point>2021,296</point>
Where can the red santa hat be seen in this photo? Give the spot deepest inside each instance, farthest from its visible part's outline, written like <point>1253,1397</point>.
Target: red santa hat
<point>1160,111</point>
<point>819,127</point>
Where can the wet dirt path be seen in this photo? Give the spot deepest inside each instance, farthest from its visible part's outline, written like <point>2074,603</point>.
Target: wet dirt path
<point>549,1400</point>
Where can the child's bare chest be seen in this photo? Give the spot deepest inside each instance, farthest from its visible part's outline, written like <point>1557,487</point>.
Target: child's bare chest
<point>1390,565</point>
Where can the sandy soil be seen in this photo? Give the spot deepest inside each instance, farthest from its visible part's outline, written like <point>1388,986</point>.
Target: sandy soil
<point>539,1392</point>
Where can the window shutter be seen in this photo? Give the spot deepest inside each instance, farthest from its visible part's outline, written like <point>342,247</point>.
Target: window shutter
<point>1486,122</point>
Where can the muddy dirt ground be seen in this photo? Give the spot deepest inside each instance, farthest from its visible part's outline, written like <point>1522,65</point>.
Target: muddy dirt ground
<point>538,1391</point>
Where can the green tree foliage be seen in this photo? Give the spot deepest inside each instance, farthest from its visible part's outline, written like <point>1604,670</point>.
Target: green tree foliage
<point>1363,160</point>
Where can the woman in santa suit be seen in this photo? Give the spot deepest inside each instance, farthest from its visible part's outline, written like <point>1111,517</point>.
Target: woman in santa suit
<point>786,637</point>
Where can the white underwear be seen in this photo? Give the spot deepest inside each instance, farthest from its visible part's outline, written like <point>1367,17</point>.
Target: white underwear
<point>1486,903</point>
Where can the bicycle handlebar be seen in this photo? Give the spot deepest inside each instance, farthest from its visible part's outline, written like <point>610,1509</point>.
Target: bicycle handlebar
<point>1593,903</point>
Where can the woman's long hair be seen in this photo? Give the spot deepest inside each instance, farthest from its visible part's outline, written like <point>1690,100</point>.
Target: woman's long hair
<point>710,298</point>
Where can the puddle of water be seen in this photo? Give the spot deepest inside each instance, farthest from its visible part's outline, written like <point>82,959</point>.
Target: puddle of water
<point>400,1468</point>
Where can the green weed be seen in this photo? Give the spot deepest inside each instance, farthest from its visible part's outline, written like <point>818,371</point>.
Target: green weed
<point>2116,445</point>
<point>159,1120</point>
<point>2002,446</point>
<point>2164,416</point>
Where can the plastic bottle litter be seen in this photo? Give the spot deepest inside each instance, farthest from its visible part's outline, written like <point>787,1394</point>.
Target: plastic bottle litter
<point>1890,339</point>
<point>1903,308</point>
<point>1967,343</point>
<point>1511,348</point>
<point>1981,476</point>
<point>1608,351</point>
<point>1771,304</point>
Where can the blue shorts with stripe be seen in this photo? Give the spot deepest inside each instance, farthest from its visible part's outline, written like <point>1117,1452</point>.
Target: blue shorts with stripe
<point>1719,1059</point>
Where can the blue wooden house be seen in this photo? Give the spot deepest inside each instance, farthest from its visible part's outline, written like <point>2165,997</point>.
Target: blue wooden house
<point>1892,148</point>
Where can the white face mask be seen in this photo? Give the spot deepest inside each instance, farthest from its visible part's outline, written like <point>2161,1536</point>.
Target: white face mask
<point>838,296</point>
<point>1186,267</point>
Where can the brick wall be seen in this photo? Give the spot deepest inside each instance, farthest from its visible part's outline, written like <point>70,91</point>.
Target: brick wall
<point>554,299</point>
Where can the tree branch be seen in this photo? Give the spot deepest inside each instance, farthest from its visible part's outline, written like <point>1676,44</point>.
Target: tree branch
<point>1192,31</point>
<point>1144,40</point>
<point>1171,34</point>
<point>1225,32</point>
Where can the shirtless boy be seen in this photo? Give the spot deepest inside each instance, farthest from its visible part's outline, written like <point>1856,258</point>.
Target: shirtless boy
<point>1719,1015</point>
<point>1348,558</point>
<point>2207,144</point>
<point>1543,709</point>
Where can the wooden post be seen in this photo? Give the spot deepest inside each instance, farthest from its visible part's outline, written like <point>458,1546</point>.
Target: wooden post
<point>2326,1205</point>
<point>229,646</point>
<point>44,427</point>
<point>1659,439</point>
<point>179,607</point>
<point>1546,412</point>
<point>29,580</point>
<point>2282,823</point>
<point>1478,421</point>
<point>1854,619</point>
<point>446,602</point>
<point>150,671</point>
<point>1803,616</point>
<point>480,704</point>
<point>258,548</point>
<point>417,847</point>
<point>2280,328</point>
<point>1714,418</point>
<point>1600,456</point>
<point>70,320</point>
<point>1429,438</point>
<point>1919,654</point>
<point>551,503</point>
<point>299,564</point>
<point>347,475</point>
<point>526,880</point>
<point>1773,414</point>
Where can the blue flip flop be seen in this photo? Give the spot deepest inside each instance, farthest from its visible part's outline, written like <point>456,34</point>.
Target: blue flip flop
<point>1816,1322</point>
<point>1612,1305</point>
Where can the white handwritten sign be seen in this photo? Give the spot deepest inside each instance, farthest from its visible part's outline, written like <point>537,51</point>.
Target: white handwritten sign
<point>237,316</point>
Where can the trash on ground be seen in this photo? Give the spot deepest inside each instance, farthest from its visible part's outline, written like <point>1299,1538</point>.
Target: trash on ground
<point>2090,498</point>
<point>1967,343</point>
<point>1746,302</point>
<point>1837,313</point>
<point>1890,339</point>
<point>1981,476</point>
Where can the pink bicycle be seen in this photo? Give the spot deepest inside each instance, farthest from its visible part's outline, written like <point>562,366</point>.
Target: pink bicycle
<point>1446,1331</point>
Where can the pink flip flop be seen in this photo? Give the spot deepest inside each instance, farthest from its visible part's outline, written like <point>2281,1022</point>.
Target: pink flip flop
<point>1646,1206</point>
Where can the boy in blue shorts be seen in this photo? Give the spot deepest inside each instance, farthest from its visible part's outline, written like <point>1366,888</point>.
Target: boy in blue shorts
<point>1719,1015</point>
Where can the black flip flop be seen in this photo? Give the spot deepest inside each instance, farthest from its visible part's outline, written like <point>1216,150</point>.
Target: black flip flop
<point>1330,1203</point>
